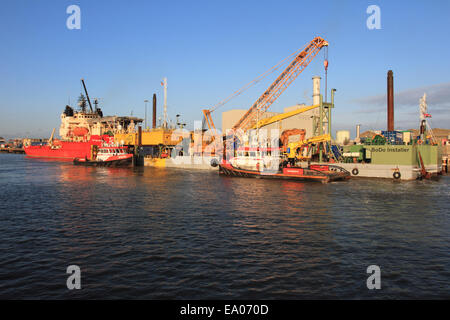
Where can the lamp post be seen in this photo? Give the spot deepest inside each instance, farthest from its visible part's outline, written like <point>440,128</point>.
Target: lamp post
<point>145,101</point>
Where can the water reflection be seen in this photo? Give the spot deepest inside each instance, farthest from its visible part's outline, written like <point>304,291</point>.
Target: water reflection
<point>159,233</point>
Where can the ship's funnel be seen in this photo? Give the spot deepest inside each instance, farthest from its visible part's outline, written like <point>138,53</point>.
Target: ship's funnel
<point>140,136</point>
<point>390,101</point>
<point>154,110</point>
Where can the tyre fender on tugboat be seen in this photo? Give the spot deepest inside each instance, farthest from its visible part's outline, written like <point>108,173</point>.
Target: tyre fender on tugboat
<point>355,171</point>
<point>214,162</point>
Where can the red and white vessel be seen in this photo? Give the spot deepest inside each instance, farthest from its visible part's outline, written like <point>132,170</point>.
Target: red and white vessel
<point>81,131</point>
<point>107,156</point>
<point>267,163</point>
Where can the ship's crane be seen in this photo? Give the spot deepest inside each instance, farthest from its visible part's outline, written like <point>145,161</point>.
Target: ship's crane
<point>300,62</point>
<point>87,95</point>
<point>207,112</point>
<point>294,150</point>
<point>209,121</point>
<point>293,70</point>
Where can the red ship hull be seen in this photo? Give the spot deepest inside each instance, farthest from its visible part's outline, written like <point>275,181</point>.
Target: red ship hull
<point>66,150</point>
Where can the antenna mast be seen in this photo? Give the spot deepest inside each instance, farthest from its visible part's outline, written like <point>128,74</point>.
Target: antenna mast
<point>165,102</point>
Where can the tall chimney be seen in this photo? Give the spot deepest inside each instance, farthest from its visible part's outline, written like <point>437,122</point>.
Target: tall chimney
<point>154,110</point>
<point>316,90</point>
<point>390,101</point>
<point>358,131</point>
<point>140,136</point>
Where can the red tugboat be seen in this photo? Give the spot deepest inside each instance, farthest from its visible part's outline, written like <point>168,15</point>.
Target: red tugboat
<point>108,156</point>
<point>267,164</point>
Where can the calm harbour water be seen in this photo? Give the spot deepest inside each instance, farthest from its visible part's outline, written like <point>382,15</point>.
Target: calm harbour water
<point>149,233</point>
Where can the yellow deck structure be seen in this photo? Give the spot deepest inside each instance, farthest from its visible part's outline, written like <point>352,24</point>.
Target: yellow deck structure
<point>152,137</point>
<point>155,162</point>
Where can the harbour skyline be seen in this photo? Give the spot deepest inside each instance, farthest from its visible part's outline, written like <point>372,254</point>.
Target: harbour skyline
<point>209,50</point>
<point>224,158</point>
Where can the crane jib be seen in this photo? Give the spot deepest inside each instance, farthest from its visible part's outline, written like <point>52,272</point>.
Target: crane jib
<point>299,63</point>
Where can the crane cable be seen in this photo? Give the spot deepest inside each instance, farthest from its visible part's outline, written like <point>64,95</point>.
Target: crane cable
<point>325,64</point>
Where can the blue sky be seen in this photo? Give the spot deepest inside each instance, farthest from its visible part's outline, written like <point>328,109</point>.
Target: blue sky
<point>208,49</point>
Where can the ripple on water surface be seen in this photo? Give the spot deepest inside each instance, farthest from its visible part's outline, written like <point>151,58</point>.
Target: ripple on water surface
<point>167,233</point>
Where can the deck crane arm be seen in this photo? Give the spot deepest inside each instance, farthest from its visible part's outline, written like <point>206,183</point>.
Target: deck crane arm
<point>207,112</point>
<point>294,146</point>
<point>87,95</point>
<point>209,121</point>
<point>279,117</point>
<point>293,70</point>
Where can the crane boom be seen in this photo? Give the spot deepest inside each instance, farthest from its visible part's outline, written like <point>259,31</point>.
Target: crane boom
<point>300,62</point>
<point>279,117</point>
<point>87,95</point>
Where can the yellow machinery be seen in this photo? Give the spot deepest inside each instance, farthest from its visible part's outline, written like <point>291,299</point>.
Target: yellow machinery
<point>153,137</point>
<point>295,149</point>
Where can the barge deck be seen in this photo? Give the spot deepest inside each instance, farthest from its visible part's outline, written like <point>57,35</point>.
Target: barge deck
<point>322,173</point>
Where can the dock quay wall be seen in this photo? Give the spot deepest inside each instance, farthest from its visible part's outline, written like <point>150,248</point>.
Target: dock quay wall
<point>182,162</point>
